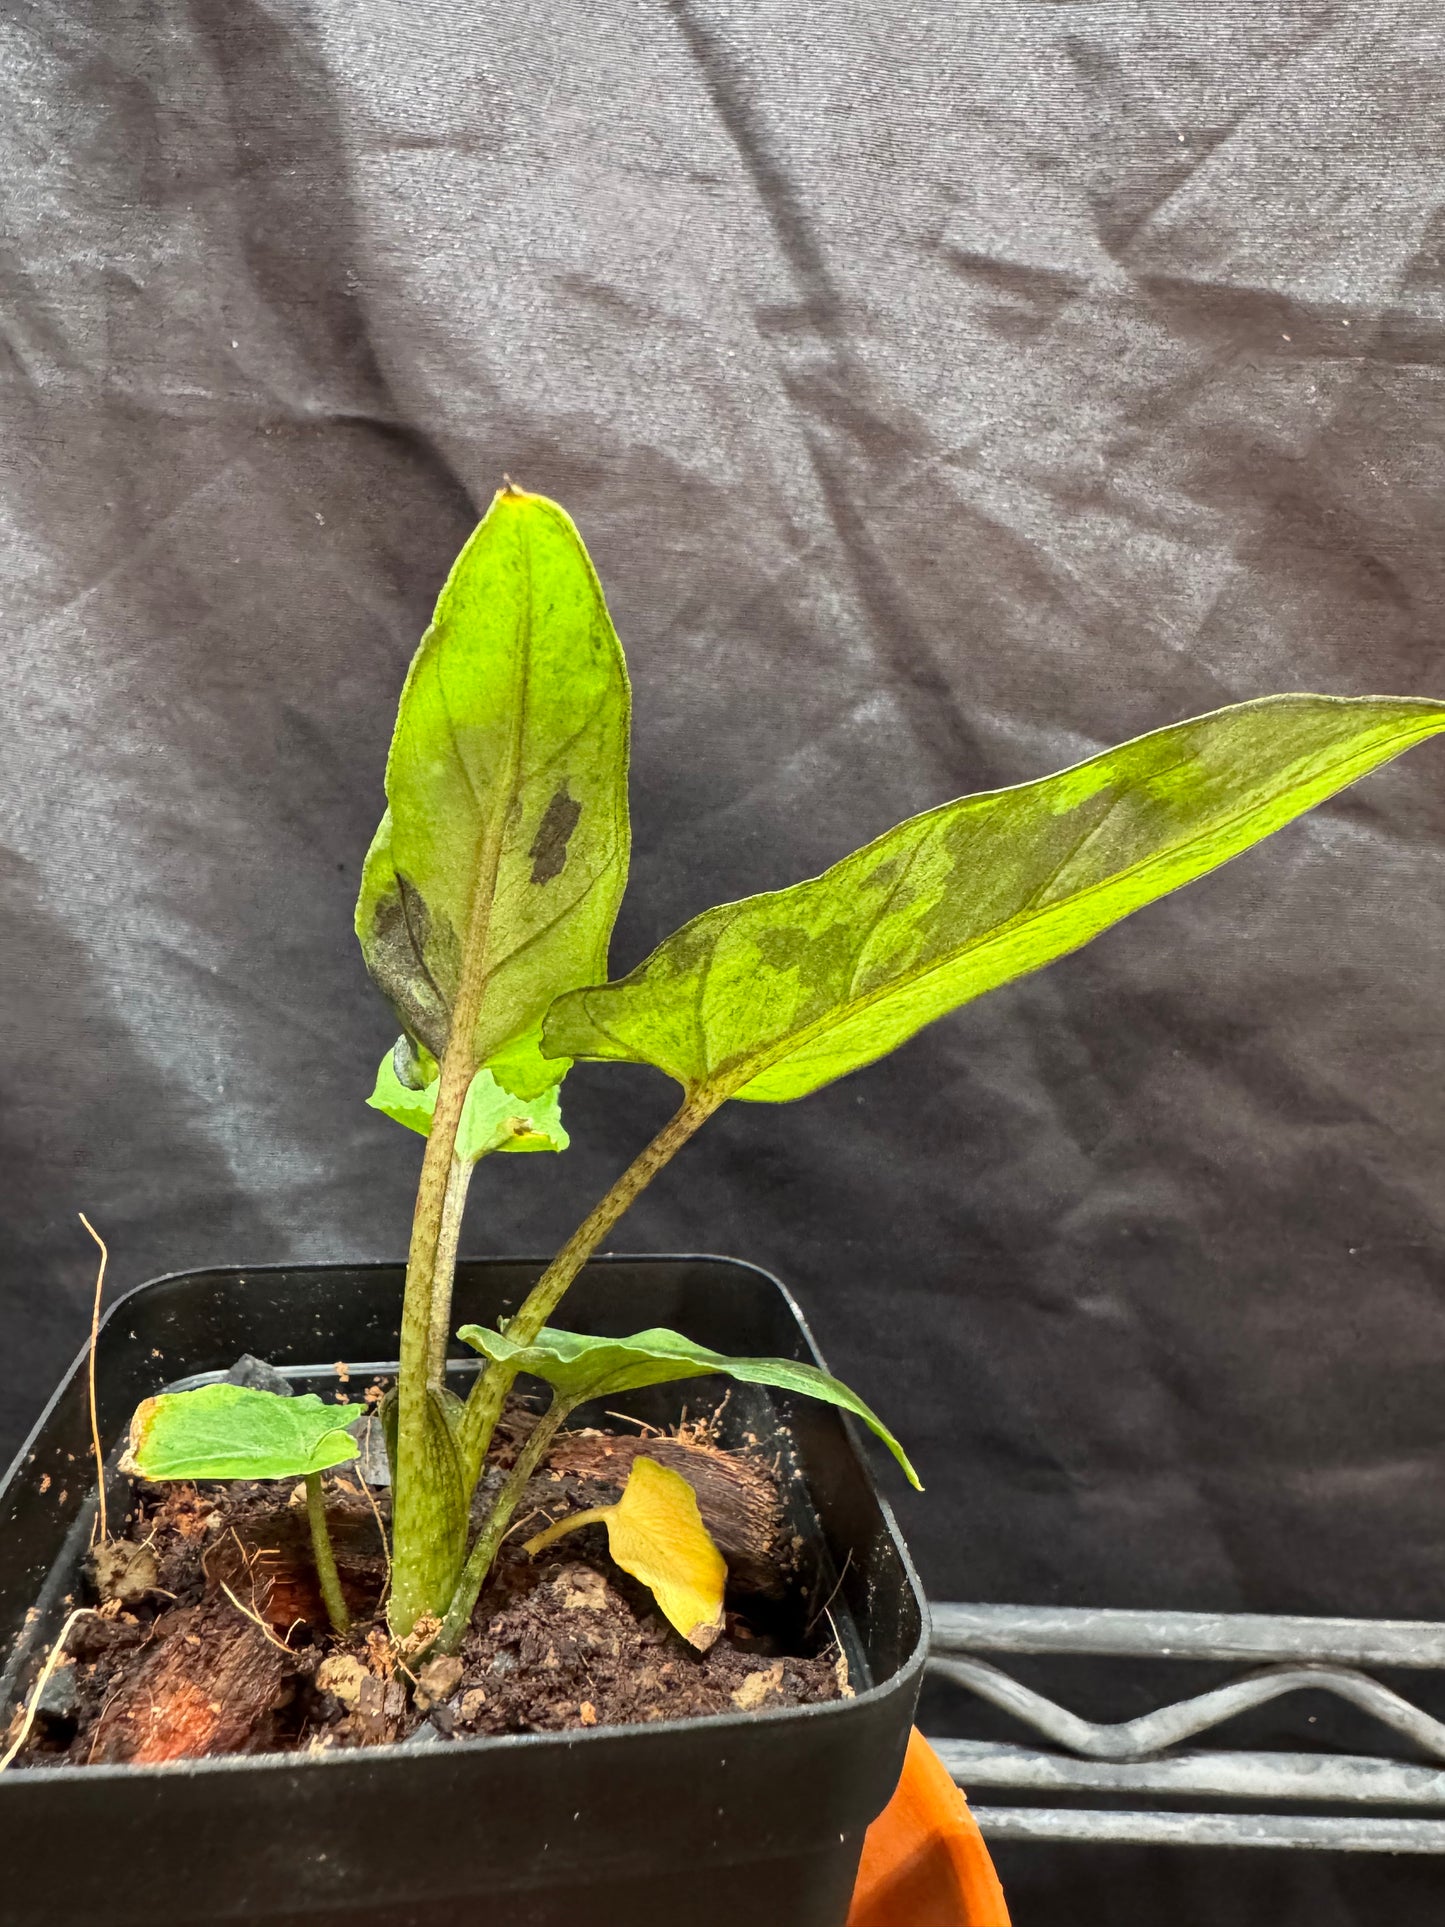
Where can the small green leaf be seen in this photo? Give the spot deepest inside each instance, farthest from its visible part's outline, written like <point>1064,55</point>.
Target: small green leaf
<point>497,1120</point>
<point>503,849</point>
<point>494,1118</point>
<point>411,1105</point>
<point>236,1432</point>
<point>520,1067</point>
<point>772,997</point>
<point>580,1368</point>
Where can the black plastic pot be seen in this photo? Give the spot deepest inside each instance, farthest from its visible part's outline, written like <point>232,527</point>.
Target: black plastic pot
<point>727,1822</point>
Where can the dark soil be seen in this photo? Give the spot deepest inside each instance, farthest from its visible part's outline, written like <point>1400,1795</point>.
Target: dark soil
<point>209,1636</point>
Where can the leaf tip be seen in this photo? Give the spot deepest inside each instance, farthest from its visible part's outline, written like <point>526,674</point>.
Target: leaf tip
<point>705,1634</point>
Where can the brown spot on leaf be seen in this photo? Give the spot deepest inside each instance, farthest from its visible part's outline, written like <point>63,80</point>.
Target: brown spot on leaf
<point>554,833</point>
<point>414,960</point>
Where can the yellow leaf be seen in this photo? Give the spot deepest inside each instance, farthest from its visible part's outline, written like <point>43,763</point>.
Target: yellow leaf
<point>656,1533</point>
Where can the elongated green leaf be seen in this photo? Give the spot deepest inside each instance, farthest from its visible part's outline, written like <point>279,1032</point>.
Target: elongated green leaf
<point>236,1432</point>
<point>492,1120</point>
<point>772,997</point>
<point>580,1368</point>
<point>503,849</point>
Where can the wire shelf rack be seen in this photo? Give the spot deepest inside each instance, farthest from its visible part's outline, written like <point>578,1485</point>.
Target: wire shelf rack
<point>1072,1787</point>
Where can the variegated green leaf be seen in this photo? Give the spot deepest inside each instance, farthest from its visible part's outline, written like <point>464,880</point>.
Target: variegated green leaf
<point>772,997</point>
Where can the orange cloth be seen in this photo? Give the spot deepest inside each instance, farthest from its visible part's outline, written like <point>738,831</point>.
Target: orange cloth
<point>924,1861</point>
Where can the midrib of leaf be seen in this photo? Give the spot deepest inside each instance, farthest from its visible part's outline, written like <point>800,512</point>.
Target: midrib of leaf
<point>476,958</point>
<point>727,1075</point>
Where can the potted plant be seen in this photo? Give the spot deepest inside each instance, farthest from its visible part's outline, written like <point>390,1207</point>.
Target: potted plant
<point>381,1756</point>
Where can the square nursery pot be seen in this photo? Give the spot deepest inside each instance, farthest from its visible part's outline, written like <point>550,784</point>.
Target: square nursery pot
<point>731,1821</point>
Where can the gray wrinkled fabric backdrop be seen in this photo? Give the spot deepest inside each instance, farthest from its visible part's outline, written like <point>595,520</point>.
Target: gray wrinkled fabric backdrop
<point>945,391</point>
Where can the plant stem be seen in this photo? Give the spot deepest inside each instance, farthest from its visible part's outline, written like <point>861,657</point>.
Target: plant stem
<point>325,1558</point>
<point>489,1394</point>
<point>419,1583</point>
<point>595,1516</point>
<point>444,1267</point>
<point>479,1563</point>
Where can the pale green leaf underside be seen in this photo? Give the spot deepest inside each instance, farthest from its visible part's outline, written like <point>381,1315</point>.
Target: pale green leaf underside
<point>511,736</point>
<point>579,1368</point>
<point>772,997</point>
<point>237,1432</point>
<point>493,1119</point>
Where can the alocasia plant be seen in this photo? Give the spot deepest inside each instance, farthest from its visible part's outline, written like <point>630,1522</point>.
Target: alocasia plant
<point>491,886</point>
<point>486,907</point>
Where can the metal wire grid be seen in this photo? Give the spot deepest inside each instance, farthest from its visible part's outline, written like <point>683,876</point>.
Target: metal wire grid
<point>1147,1756</point>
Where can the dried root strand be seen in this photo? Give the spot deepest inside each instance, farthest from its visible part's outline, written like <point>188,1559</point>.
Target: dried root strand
<point>47,1670</point>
